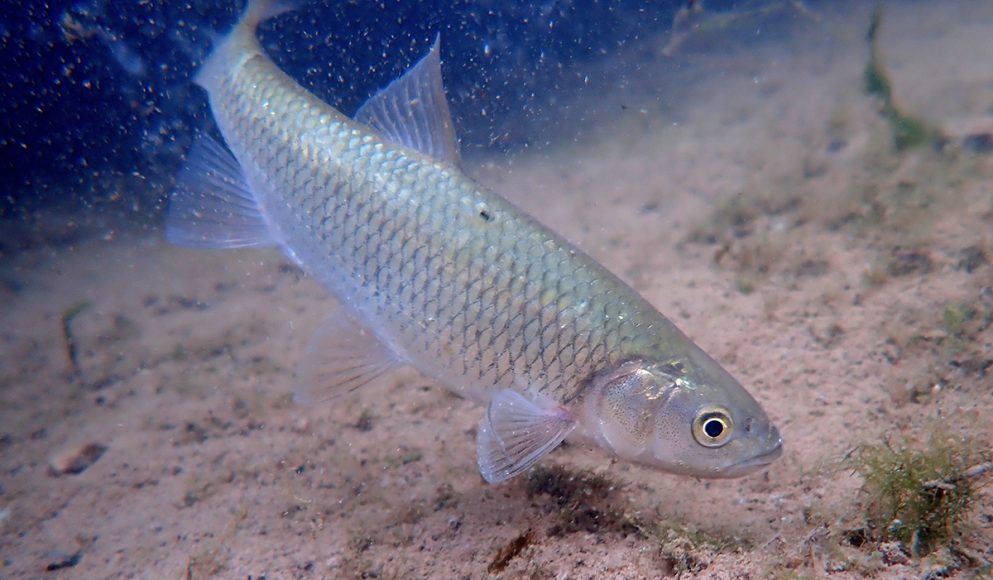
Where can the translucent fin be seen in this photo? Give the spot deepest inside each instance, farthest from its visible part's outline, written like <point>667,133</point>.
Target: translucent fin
<point>516,432</point>
<point>261,10</point>
<point>342,356</point>
<point>413,111</point>
<point>212,205</point>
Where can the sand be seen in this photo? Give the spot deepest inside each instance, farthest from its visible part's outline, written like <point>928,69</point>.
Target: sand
<point>752,193</point>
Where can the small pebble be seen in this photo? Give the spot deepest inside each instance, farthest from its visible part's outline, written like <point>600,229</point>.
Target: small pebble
<point>893,553</point>
<point>76,459</point>
<point>979,143</point>
<point>301,425</point>
<point>62,561</point>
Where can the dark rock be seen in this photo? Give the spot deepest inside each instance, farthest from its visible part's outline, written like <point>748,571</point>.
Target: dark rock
<point>906,263</point>
<point>971,258</point>
<point>63,561</point>
<point>979,143</point>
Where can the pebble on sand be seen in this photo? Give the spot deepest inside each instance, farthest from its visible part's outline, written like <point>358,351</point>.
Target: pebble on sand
<point>75,459</point>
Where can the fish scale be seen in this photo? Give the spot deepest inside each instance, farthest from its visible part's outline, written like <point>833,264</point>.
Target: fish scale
<point>423,279</point>
<point>448,276</point>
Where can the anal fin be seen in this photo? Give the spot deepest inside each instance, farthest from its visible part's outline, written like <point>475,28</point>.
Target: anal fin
<point>342,356</point>
<point>516,432</point>
<point>212,205</point>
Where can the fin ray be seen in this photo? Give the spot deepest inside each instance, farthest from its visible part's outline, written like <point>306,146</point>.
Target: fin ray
<point>516,433</point>
<point>342,356</point>
<point>413,110</point>
<point>212,205</point>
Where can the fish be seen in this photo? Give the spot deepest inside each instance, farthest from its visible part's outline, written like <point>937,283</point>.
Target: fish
<point>434,271</point>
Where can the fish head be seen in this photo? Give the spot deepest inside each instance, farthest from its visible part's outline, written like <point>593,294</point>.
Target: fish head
<point>685,415</point>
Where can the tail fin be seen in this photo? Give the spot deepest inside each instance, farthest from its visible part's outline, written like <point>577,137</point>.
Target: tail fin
<point>258,11</point>
<point>233,46</point>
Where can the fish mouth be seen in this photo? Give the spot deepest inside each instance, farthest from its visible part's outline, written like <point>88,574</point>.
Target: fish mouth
<point>756,462</point>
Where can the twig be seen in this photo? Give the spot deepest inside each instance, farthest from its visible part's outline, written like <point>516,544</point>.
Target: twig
<point>67,337</point>
<point>949,483</point>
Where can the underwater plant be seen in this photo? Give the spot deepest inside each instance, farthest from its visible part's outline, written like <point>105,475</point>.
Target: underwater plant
<point>918,494</point>
<point>908,131</point>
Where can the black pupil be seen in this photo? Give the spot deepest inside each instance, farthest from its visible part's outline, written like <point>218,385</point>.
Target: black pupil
<point>713,428</point>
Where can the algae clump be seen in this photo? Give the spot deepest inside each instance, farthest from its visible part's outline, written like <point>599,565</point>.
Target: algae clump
<point>918,494</point>
<point>908,131</point>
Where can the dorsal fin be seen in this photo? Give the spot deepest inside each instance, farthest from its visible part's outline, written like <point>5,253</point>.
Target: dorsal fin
<point>412,110</point>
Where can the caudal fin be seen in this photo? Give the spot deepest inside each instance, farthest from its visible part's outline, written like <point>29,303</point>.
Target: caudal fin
<point>231,48</point>
<point>258,11</point>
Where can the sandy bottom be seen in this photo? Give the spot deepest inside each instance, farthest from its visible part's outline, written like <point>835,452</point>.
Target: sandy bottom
<point>752,194</point>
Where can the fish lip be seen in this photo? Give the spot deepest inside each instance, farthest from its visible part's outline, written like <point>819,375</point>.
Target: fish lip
<point>756,462</point>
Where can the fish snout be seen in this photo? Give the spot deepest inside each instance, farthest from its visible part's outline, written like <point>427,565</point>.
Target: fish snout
<point>773,445</point>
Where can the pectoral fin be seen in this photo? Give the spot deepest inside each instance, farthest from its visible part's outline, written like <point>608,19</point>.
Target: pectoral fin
<point>516,432</point>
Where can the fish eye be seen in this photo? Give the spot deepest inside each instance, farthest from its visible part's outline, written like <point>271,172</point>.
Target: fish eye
<point>713,426</point>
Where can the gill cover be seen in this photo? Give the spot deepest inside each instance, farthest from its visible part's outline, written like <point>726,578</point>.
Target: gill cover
<point>627,402</point>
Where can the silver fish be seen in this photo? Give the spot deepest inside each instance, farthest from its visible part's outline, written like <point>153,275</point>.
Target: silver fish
<point>437,272</point>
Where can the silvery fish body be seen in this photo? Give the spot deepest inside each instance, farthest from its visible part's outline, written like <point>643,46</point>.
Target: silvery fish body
<point>437,272</point>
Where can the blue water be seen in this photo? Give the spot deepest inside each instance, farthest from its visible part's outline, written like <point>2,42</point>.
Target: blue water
<point>97,94</point>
